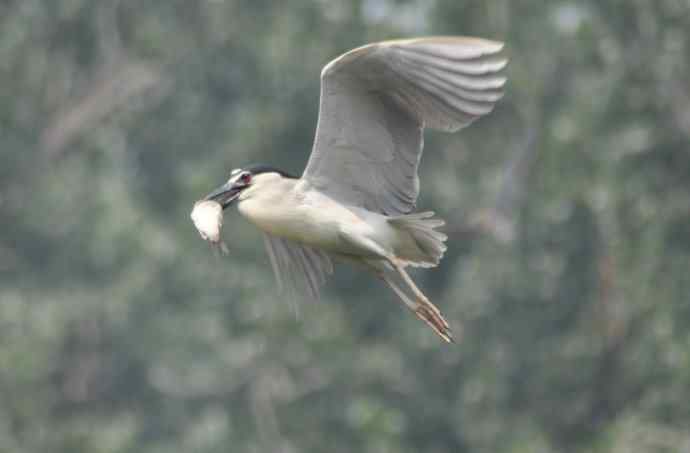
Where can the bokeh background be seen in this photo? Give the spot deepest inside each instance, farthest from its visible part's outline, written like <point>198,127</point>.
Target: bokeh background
<point>568,210</point>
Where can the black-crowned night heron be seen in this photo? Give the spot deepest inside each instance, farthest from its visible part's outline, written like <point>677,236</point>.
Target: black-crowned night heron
<point>355,200</point>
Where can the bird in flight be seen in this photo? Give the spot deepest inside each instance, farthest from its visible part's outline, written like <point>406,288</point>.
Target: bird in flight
<point>356,200</point>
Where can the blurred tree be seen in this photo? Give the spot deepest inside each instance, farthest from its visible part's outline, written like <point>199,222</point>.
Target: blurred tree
<point>568,268</point>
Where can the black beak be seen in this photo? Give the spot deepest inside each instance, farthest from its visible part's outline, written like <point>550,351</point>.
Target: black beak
<point>225,194</point>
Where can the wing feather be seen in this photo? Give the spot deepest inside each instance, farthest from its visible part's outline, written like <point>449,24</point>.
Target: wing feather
<point>376,101</point>
<point>297,267</point>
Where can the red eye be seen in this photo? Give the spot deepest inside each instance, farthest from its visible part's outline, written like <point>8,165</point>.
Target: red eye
<point>246,178</point>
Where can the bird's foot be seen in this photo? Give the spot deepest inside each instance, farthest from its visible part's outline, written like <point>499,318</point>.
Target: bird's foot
<point>433,317</point>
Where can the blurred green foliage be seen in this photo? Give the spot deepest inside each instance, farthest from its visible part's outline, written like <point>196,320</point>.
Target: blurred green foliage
<point>568,209</point>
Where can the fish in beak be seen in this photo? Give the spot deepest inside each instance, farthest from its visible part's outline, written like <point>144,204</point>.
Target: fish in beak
<point>207,213</point>
<point>207,216</point>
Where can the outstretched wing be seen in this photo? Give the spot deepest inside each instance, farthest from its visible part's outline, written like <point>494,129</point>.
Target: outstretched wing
<point>376,101</point>
<point>298,267</point>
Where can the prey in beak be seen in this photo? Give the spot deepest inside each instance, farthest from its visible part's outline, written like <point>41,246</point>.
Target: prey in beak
<point>226,194</point>
<point>207,214</point>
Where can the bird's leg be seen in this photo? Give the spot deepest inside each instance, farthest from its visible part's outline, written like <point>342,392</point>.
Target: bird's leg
<point>401,294</point>
<point>424,309</point>
<point>420,309</point>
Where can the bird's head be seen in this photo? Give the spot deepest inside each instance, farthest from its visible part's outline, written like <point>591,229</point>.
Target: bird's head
<point>240,180</point>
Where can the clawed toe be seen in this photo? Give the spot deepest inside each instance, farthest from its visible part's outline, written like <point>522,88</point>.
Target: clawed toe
<point>436,321</point>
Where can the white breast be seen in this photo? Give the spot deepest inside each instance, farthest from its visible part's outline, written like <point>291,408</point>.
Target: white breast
<point>288,209</point>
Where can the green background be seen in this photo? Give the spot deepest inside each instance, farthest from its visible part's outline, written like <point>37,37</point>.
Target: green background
<point>568,211</point>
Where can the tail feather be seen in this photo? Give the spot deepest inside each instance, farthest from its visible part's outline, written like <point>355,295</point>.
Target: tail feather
<point>421,226</point>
